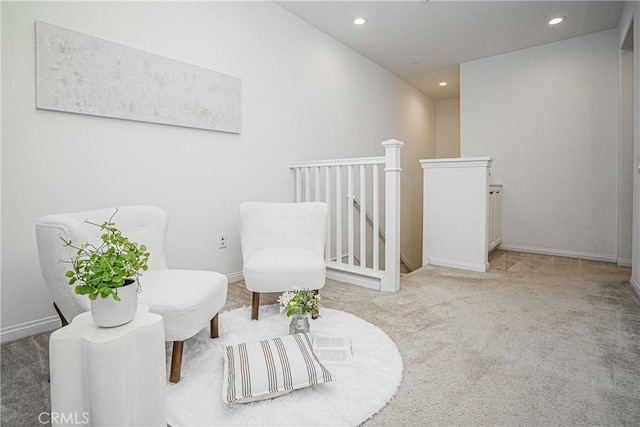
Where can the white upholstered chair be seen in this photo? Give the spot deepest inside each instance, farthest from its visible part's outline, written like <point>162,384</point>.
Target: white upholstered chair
<point>186,299</point>
<point>282,247</point>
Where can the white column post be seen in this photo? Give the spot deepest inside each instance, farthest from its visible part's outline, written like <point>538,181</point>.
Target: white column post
<point>392,175</point>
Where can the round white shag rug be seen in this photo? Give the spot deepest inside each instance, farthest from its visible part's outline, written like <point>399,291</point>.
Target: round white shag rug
<point>361,388</point>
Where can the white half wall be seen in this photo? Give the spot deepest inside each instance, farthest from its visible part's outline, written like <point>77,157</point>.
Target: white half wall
<point>448,128</point>
<point>456,213</point>
<point>548,115</point>
<point>304,96</point>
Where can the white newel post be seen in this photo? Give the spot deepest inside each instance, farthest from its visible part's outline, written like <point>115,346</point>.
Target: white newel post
<point>392,171</point>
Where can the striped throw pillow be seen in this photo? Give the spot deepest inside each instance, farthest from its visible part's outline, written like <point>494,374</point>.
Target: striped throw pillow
<point>270,368</point>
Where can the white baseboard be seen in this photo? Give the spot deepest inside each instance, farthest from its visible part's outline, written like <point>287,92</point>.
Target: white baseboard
<point>635,287</point>
<point>623,262</point>
<point>482,268</point>
<point>235,277</point>
<point>11,333</point>
<point>354,279</point>
<point>559,252</point>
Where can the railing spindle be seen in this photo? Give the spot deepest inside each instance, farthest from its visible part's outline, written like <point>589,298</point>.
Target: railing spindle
<point>327,199</point>
<point>339,215</point>
<point>376,218</point>
<point>363,217</point>
<point>350,214</point>
<point>316,195</point>
<point>298,186</point>
<point>307,185</point>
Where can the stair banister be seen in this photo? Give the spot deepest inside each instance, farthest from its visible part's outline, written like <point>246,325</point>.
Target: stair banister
<point>340,221</point>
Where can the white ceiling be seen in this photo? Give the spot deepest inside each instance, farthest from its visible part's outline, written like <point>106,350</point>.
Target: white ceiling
<point>440,34</point>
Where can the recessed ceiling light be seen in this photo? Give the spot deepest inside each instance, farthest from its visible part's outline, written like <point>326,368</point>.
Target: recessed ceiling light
<point>360,21</point>
<point>557,20</point>
<point>442,84</point>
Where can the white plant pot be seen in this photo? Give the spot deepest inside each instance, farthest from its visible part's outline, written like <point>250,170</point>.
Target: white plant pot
<point>108,313</point>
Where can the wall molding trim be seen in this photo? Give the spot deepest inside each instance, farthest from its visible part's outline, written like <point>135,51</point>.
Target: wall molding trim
<point>458,162</point>
<point>623,262</point>
<point>235,277</point>
<point>636,287</point>
<point>12,333</point>
<point>558,252</point>
<point>482,268</point>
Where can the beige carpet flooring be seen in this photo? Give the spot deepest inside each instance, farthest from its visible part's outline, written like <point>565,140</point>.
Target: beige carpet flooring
<point>536,341</point>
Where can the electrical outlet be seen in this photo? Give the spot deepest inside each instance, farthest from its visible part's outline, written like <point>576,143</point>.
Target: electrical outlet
<point>222,241</point>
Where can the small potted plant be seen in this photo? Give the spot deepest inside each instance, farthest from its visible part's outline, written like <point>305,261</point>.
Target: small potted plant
<point>299,304</point>
<point>108,274</point>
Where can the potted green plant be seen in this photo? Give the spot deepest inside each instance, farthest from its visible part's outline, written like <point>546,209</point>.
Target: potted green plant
<point>108,273</point>
<point>299,304</point>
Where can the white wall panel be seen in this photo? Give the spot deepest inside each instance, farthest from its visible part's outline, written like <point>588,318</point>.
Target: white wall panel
<point>304,96</point>
<point>548,116</point>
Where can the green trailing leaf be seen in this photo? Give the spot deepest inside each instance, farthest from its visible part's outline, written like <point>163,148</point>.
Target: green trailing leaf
<point>101,269</point>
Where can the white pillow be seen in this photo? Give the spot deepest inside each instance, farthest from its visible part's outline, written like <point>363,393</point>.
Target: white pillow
<point>270,368</point>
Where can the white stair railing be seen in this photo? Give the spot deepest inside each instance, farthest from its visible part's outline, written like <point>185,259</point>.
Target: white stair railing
<point>381,235</point>
<point>330,181</point>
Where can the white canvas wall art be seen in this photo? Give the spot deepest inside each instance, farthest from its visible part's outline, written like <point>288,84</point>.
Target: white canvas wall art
<point>79,73</point>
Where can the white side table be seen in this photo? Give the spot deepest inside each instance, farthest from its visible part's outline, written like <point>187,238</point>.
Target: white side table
<point>109,376</point>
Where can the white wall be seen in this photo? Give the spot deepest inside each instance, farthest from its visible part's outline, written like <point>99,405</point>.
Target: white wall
<point>448,128</point>
<point>625,159</point>
<point>548,115</point>
<point>304,96</point>
<point>631,13</point>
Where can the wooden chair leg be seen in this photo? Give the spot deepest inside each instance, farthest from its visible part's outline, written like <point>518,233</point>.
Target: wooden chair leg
<point>255,305</point>
<point>214,326</point>
<point>62,319</point>
<point>176,361</point>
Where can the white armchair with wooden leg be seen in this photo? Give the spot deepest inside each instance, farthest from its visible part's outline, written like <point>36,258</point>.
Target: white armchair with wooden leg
<point>186,299</point>
<point>282,247</point>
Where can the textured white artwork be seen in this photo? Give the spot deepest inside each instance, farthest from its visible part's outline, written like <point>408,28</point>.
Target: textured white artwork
<point>83,74</point>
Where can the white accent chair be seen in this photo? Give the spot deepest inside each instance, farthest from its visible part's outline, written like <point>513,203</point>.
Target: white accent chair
<point>186,299</point>
<point>282,247</point>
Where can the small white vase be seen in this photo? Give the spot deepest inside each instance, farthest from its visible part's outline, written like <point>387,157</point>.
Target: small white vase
<point>299,324</point>
<point>108,313</point>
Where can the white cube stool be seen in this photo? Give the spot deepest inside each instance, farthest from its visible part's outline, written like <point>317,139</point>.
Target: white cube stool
<point>109,376</point>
